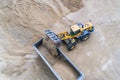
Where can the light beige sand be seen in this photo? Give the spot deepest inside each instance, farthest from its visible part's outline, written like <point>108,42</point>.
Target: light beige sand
<point>23,22</point>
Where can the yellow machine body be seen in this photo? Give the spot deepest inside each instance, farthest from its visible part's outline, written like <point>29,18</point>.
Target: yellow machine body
<point>64,35</point>
<point>78,32</point>
<point>74,28</point>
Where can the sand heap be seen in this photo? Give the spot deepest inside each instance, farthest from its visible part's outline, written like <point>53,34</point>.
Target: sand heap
<point>50,46</point>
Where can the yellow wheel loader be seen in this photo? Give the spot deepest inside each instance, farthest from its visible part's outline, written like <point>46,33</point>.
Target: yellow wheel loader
<point>78,32</point>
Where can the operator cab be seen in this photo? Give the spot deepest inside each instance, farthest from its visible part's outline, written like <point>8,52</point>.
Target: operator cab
<point>76,29</point>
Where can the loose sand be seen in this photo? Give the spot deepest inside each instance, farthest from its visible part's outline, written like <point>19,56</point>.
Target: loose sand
<point>22,22</point>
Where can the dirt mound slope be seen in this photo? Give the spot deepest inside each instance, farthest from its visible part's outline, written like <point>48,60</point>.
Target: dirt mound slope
<point>73,5</point>
<point>22,22</point>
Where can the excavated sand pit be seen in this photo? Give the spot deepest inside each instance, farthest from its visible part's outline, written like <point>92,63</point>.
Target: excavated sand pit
<point>63,69</point>
<point>60,66</point>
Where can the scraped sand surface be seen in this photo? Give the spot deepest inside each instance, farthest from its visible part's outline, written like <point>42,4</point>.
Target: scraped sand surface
<point>22,22</point>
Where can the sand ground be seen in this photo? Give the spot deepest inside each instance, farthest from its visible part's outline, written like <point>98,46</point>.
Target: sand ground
<point>22,22</point>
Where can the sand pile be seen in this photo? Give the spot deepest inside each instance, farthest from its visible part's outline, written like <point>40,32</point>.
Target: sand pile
<point>73,5</point>
<point>22,22</point>
<point>50,46</point>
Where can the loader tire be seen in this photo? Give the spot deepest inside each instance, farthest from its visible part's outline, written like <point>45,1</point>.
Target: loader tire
<point>85,38</point>
<point>70,46</point>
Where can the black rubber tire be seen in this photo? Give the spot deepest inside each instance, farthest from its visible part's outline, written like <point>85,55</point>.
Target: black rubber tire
<point>70,46</point>
<point>85,38</point>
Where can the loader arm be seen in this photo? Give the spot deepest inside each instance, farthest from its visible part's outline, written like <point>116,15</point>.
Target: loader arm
<point>64,36</point>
